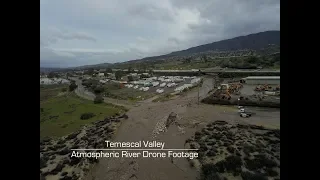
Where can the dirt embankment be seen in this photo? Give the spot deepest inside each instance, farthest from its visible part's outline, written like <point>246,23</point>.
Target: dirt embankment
<point>246,101</point>
<point>55,154</point>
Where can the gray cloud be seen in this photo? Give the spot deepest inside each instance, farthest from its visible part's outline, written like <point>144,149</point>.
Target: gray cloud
<point>150,12</point>
<point>54,35</point>
<point>129,30</point>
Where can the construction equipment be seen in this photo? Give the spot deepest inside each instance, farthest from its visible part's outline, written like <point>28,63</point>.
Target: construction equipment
<point>224,91</point>
<point>225,94</point>
<point>222,94</point>
<point>235,87</point>
<point>263,87</point>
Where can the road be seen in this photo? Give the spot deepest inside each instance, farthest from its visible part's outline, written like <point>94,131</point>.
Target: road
<point>82,92</point>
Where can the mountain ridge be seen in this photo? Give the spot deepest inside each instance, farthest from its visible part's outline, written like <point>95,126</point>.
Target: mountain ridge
<point>254,41</point>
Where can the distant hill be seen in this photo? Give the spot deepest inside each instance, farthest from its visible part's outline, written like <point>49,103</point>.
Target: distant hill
<point>95,66</point>
<point>255,41</point>
<point>102,66</point>
<point>259,42</point>
<point>46,69</point>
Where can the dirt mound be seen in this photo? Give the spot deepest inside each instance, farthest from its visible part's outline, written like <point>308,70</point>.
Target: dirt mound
<point>171,119</point>
<point>246,151</point>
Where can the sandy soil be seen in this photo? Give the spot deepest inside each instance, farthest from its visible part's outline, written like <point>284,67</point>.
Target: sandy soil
<point>143,123</point>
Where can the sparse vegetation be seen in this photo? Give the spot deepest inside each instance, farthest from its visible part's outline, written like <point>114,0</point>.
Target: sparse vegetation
<point>72,86</point>
<point>60,115</point>
<point>232,156</point>
<point>162,98</point>
<point>49,91</point>
<point>118,74</point>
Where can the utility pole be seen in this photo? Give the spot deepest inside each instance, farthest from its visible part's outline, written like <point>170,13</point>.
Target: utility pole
<point>213,81</point>
<point>199,89</point>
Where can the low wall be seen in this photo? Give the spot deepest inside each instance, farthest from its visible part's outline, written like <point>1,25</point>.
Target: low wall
<point>246,74</point>
<point>249,102</point>
<point>177,73</point>
<point>221,74</point>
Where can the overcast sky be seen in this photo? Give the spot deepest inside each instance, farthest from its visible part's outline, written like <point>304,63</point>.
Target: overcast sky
<point>82,32</point>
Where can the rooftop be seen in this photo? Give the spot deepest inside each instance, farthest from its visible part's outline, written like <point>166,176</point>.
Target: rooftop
<point>263,77</point>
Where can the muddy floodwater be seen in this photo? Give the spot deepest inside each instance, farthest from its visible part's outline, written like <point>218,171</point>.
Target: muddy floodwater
<point>149,122</point>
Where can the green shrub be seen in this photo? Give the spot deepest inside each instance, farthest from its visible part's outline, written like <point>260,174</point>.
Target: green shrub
<point>86,116</point>
<point>72,87</point>
<point>98,99</point>
<point>98,89</point>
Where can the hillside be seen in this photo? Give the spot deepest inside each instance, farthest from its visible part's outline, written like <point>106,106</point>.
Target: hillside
<point>46,70</point>
<point>102,65</point>
<point>259,44</point>
<point>253,41</point>
<point>256,42</point>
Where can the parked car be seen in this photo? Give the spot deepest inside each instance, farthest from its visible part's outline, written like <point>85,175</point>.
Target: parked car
<point>245,115</point>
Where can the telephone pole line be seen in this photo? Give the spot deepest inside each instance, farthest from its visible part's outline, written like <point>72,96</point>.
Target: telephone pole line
<point>198,94</point>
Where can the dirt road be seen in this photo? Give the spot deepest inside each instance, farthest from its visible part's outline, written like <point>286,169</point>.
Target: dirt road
<point>82,92</point>
<point>143,124</point>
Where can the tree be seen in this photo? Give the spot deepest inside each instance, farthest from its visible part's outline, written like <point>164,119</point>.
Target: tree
<point>108,70</point>
<point>141,71</point>
<point>275,58</point>
<point>98,89</point>
<point>130,78</point>
<point>225,63</point>
<point>52,75</point>
<point>118,74</point>
<point>143,67</point>
<point>130,70</point>
<point>187,60</point>
<point>252,60</point>
<point>89,71</point>
<point>98,99</point>
<point>204,58</point>
<point>72,87</point>
<point>86,83</point>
